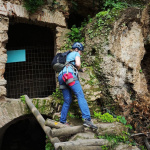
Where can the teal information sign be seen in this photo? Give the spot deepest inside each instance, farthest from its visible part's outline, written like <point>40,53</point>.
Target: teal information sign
<point>16,56</point>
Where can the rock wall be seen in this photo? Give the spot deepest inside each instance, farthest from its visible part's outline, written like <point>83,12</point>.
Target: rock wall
<point>45,16</point>
<point>119,55</point>
<point>4,21</point>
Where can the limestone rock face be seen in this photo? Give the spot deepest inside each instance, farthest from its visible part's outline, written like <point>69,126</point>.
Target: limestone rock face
<point>120,55</point>
<point>61,37</point>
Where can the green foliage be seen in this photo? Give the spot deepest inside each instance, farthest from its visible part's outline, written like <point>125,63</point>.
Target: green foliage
<point>129,126</point>
<point>33,5</point>
<point>23,99</point>
<point>74,5</point>
<point>140,71</point>
<point>72,116</point>
<point>115,139</point>
<point>58,95</point>
<point>104,147</point>
<point>76,34</point>
<point>122,119</point>
<point>106,117</point>
<point>142,147</point>
<point>117,4</point>
<point>49,145</point>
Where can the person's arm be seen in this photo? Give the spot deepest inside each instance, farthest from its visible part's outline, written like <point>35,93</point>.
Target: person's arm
<point>78,62</point>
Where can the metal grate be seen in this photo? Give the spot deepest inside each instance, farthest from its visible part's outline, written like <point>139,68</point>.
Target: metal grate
<point>35,77</point>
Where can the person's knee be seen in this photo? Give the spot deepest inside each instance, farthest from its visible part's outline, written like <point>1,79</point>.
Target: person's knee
<point>79,93</point>
<point>67,100</point>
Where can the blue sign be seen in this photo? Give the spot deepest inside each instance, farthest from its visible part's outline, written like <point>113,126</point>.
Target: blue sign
<point>16,56</point>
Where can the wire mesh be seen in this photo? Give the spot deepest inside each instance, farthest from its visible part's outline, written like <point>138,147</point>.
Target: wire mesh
<point>35,77</point>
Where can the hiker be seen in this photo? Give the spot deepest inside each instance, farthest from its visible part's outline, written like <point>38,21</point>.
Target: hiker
<point>68,81</point>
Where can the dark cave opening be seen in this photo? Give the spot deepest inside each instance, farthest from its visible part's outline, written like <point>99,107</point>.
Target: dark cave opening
<point>34,76</point>
<point>24,134</point>
<point>75,19</point>
<point>145,65</point>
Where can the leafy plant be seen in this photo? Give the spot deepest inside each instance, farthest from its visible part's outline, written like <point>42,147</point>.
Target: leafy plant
<point>115,139</point>
<point>104,147</point>
<point>109,4</point>
<point>57,94</point>
<point>106,117</point>
<point>72,116</point>
<point>142,147</point>
<point>49,145</point>
<point>122,119</point>
<point>33,5</point>
<point>23,99</point>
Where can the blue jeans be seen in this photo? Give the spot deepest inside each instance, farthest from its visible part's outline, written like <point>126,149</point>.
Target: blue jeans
<point>77,89</point>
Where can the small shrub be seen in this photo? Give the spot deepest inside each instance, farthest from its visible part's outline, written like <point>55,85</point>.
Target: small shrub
<point>33,5</point>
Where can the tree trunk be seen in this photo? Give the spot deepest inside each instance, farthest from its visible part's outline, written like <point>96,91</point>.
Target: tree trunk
<point>66,131</point>
<point>40,120</point>
<point>81,147</point>
<point>54,124</point>
<point>86,142</point>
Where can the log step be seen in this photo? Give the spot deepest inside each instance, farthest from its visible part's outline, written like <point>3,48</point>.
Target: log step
<point>81,147</point>
<point>85,142</point>
<point>66,131</point>
<point>54,124</point>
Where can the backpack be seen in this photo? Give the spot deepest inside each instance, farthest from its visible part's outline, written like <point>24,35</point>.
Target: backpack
<point>59,61</point>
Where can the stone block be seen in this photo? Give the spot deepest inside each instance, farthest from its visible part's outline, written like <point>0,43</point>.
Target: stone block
<point>2,91</point>
<point>3,10</point>
<point>50,17</point>
<point>61,36</point>
<point>2,50</point>
<point>2,69</point>
<point>3,82</point>
<point>3,58</point>
<point>3,23</point>
<point>3,37</point>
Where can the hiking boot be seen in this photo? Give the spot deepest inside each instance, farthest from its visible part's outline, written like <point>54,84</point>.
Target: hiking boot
<point>67,124</point>
<point>90,124</point>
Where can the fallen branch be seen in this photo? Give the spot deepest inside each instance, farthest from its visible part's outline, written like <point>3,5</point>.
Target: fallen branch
<point>138,134</point>
<point>146,143</point>
<point>85,142</point>
<point>40,120</point>
<point>66,131</point>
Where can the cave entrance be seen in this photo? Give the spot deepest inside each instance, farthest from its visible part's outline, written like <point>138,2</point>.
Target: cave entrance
<point>75,19</point>
<point>145,65</point>
<point>24,133</point>
<point>34,76</point>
